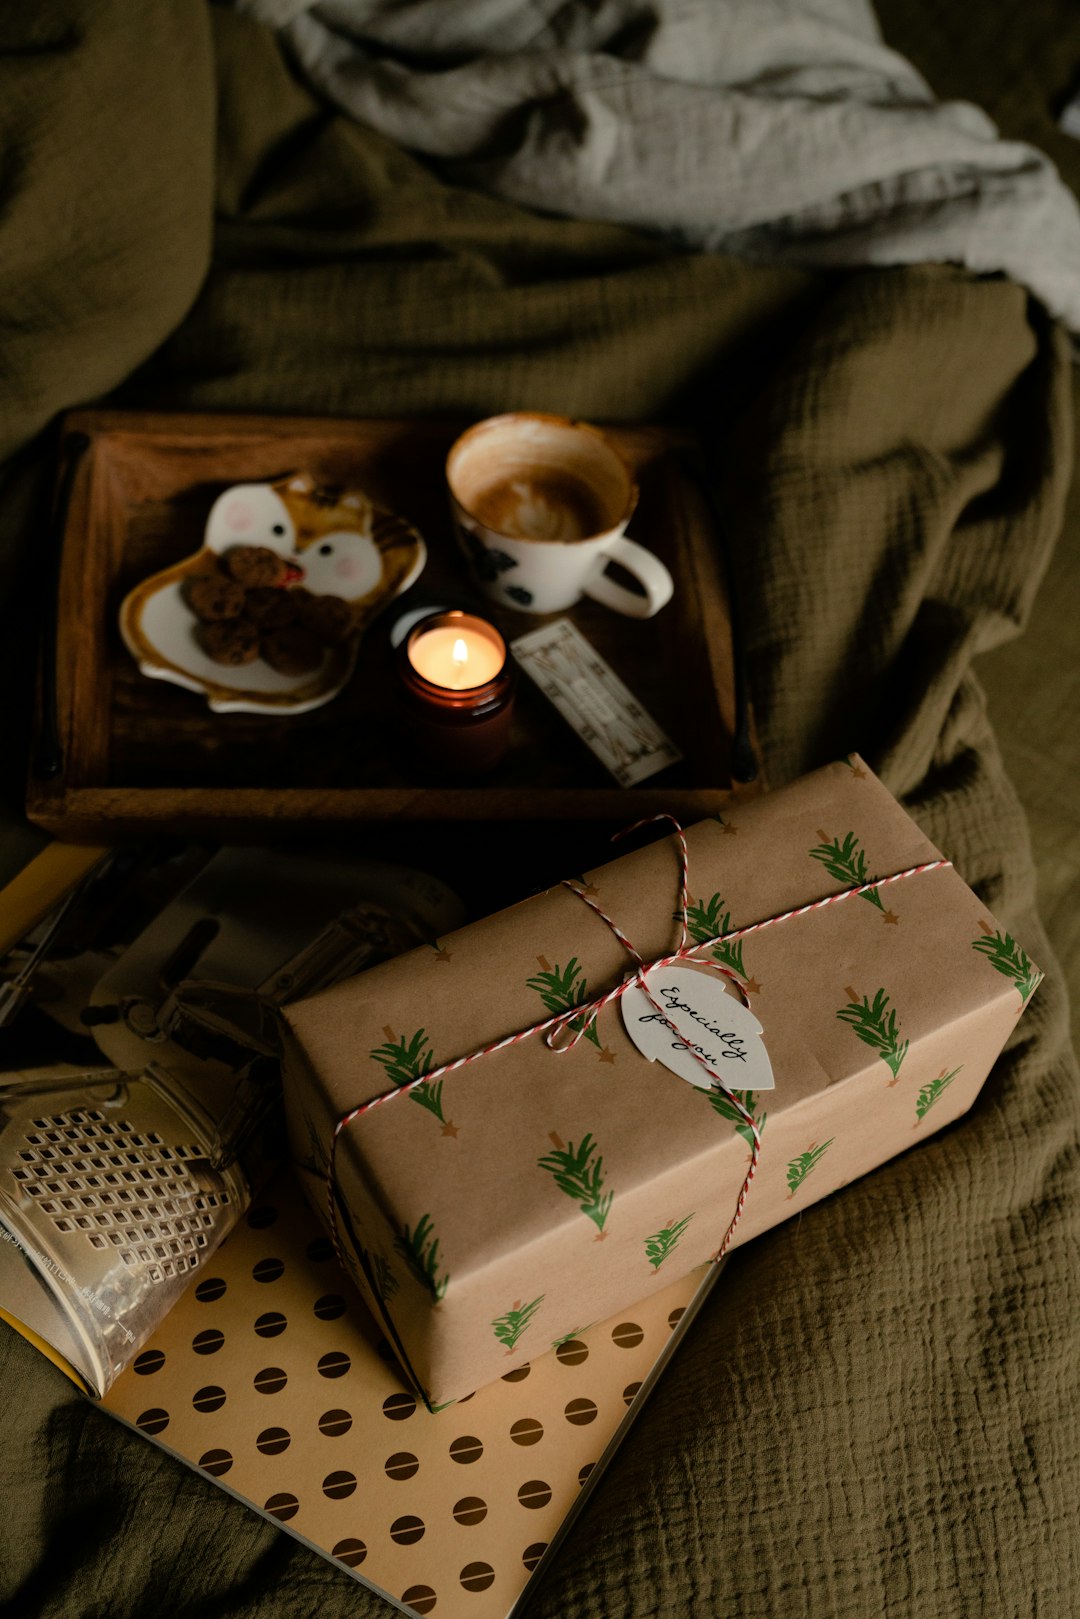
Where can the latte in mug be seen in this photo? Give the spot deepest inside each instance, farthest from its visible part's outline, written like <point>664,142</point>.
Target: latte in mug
<point>540,504</point>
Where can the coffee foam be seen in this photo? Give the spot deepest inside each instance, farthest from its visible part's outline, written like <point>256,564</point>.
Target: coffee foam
<point>542,504</point>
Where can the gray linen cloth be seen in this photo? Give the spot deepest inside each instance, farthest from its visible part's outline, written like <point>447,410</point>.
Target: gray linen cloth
<point>780,130</point>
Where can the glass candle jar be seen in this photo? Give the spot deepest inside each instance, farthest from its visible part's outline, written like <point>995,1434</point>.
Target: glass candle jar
<point>457,693</point>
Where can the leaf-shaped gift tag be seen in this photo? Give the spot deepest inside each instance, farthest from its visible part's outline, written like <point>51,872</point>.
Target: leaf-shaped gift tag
<point>698,1023</point>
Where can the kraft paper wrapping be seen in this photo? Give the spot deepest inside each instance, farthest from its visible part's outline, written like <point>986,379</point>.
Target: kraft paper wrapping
<point>521,1198</point>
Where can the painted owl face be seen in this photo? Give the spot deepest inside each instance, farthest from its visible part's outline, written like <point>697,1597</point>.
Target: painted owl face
<point>335,540</point>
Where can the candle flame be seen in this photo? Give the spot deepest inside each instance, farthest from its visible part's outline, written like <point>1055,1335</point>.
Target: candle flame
<point>460,653</point>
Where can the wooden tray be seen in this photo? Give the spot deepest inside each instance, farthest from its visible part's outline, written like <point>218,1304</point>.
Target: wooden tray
<point>119,754</point>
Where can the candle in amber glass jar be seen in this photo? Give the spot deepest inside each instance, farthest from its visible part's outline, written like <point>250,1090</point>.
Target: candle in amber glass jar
<point>457,682</point>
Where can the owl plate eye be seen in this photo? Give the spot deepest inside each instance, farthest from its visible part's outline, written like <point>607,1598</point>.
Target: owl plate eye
<point>326,550</point>
<point>278,528</point>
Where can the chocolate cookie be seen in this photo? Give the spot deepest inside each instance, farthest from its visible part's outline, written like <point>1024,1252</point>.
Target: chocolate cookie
<point>212,597</point>
<point>329,619</point>
<point>255,565</point>
<point>292,651</point>
<point>271,607</point>
<point>232,640</point>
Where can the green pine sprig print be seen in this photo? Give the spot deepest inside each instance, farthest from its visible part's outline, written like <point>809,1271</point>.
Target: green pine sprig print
<point>430,1096</point>
<point>420,1250</point>
<point>800,1167</point>
<point>386,1283</point>
<point>318,1159</point>
<point>663,1243</point>
<point>875,1022</point>
<point>721,1105</point>
<point>580,1175</point>
<point>707,918</point>
<point>407,1059</point>
<point>376,1268</point>
<point>846,861</point>
<point>930,1093</point>
<point>509,1327</point>
<point>1005,956</point>
<point>560,988</point>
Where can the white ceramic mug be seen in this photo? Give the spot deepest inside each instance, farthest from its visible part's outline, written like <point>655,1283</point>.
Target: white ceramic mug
<point>540,504</point>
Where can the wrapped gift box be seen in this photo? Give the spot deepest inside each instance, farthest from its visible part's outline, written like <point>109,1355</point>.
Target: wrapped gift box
<point>494,1212</point>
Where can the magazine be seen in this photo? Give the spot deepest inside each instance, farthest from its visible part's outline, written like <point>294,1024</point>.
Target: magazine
<point>215,1320</point>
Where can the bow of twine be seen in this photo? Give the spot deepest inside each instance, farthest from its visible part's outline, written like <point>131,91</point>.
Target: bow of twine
<point>580,1018</point>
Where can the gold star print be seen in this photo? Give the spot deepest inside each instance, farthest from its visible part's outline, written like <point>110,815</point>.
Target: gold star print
<point>450,1129</point>
<point>606,1055</point>
<point>891,917</point>
<point>442,954</point>
<point>752,987</point>
<point>589,889</point>
<point>859,772</point>
<point>728,830</point>
<point>601,1236</point>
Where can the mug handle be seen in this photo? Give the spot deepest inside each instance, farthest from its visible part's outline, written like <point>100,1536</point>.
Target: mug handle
<point>646,568</point>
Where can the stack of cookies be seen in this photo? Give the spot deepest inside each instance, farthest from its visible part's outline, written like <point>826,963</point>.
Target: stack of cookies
<point>247,609</point>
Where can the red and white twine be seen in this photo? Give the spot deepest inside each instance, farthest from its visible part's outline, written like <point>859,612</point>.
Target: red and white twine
<point>587,1012</point>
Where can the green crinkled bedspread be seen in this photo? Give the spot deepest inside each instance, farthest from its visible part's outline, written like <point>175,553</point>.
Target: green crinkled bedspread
<point>879,1413</point>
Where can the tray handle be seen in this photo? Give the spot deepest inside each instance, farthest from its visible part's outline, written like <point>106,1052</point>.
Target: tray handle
<point>743,763</point>
<point>49,755</point>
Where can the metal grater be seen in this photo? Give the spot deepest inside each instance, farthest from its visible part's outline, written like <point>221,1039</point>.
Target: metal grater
<point>108,1188</point>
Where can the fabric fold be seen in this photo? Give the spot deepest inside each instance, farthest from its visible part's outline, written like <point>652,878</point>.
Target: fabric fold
<point>784,131</point>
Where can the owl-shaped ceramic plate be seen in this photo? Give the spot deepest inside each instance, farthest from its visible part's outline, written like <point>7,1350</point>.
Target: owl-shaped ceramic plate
<point>323,543</point>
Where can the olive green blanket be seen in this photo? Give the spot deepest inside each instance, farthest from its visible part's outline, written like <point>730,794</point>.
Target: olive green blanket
<point>879,1413</point>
